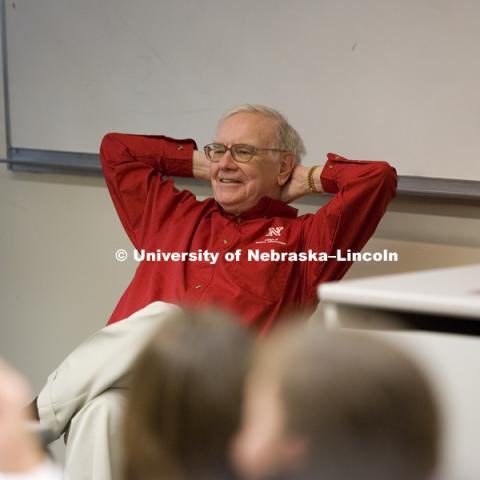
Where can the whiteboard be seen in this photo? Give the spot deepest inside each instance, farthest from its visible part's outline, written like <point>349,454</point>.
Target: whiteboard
<point>376,79</point>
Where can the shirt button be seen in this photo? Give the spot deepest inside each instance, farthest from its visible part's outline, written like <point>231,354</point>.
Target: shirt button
<point>330,166</point>
<point>180,147</point>
<point>225,241</point>
<point>198,286</point>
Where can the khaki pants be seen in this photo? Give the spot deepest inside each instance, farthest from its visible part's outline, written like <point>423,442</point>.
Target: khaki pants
<point>86,394</point>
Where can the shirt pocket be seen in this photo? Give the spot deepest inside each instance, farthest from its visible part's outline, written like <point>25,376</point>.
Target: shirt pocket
<point>261,274</point>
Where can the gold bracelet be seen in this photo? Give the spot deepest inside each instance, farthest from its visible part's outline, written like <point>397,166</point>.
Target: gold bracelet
<point>311,183</point>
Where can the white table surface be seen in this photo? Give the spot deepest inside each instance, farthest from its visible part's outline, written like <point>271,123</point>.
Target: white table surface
<point>449,292</point>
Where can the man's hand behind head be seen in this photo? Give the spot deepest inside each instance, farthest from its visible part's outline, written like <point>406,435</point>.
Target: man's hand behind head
<point>201,165</point>
<point>297,185</point>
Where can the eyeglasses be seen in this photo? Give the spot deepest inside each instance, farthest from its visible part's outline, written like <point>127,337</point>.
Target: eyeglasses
<point>240,152</point>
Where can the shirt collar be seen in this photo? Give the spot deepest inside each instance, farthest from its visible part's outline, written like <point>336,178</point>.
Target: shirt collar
<point>266,207</point>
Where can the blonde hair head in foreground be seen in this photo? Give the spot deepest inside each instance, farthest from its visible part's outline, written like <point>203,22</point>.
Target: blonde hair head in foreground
<point>336,405</point>
<point>185,398</point>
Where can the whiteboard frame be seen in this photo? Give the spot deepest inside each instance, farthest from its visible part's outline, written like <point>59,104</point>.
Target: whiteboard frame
<point>6,106</point>
<point>50,161</point>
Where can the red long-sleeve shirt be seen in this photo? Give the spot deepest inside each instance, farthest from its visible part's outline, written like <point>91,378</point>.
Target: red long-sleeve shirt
<point>157,216</point>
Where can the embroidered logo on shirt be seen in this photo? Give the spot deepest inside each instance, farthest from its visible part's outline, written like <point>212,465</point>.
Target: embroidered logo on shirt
<point>274,232</point>
<point>272,236</point>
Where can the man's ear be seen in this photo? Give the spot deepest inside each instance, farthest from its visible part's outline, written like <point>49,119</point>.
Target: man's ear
<point>287,164</point>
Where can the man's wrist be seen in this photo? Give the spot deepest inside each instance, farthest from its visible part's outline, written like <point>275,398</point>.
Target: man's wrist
<point>313,179</point>
<point>200,165</point>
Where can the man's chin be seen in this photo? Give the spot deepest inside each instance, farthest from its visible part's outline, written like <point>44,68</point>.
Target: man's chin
<point>231,206</point>
<point>232,209</point>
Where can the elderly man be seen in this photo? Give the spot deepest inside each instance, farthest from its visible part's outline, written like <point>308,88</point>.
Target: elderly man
<point>254,168</point>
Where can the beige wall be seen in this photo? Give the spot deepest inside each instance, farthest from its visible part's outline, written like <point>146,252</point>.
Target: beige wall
<point>59,279</point>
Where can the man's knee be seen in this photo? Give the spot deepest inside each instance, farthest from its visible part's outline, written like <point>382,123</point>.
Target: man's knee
<point>104,412</point>
<point>94,439</point>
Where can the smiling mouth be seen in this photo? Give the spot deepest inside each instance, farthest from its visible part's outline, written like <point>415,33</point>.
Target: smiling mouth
<point>229,180</point>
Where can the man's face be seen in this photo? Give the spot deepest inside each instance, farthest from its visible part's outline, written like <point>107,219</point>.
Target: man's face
<point>239,186</point>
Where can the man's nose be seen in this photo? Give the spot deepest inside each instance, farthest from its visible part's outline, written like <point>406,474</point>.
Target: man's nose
<point>226,161</point>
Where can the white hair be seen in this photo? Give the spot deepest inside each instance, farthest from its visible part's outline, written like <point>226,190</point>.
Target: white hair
<point>287,137</point>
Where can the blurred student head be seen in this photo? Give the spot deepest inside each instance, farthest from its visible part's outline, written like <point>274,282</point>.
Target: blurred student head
<point>20,450</point>
<point>185,399</point>
<point>336,406</point>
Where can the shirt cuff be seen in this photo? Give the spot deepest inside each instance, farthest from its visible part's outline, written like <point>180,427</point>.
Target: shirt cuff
<point>328,175</point>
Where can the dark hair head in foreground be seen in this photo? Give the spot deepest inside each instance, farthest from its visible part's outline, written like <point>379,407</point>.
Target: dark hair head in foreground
<point>336,406</point>
<point>185,400</point>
